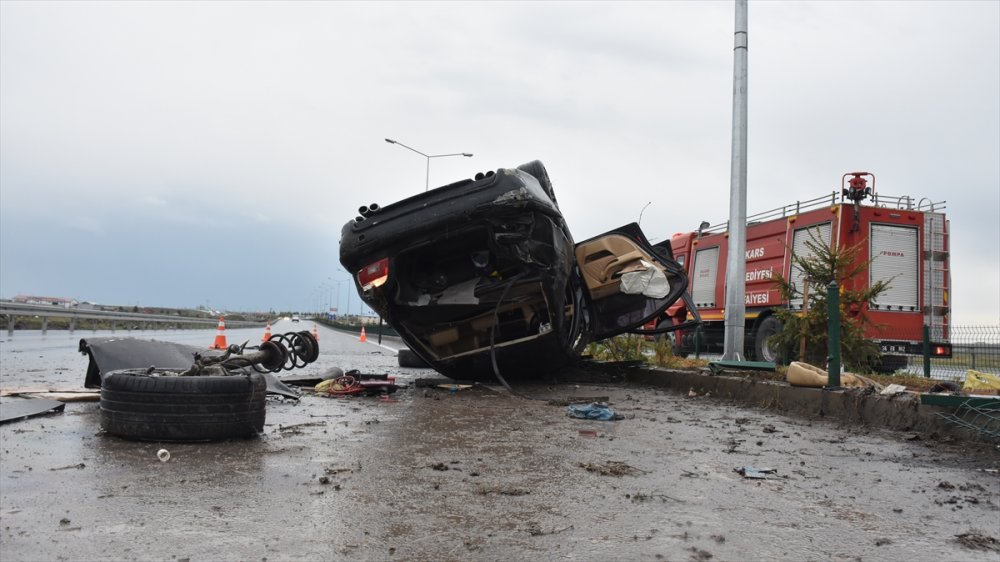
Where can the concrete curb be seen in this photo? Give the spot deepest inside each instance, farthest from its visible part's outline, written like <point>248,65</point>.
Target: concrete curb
<point>899,413</point>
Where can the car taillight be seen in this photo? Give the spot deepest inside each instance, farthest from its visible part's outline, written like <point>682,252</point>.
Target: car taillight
<point>374,274</point>
<point>941,350</point>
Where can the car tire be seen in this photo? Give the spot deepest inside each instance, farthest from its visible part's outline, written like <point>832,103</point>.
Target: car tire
<point>173,408</point>
<point>538,171</point>
<point>407,358</point>
<point>767,328</point>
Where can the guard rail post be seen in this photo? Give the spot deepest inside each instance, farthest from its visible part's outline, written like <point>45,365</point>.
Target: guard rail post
<point>833,335</point>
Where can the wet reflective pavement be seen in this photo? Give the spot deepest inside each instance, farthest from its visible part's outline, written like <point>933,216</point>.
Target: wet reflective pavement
<point>481,474</point>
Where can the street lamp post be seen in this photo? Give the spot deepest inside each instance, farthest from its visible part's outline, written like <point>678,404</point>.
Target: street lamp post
<point>643,211</point>
<point>339,283</point>
<point>427,179</point>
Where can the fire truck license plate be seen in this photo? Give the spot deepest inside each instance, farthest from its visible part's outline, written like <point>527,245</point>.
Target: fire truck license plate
<point>893,346</point>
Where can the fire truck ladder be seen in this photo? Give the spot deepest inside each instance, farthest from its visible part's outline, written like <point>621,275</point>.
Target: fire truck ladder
<point>937,275</point>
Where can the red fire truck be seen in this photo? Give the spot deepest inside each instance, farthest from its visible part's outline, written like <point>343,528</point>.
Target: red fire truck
<point>907,239</point>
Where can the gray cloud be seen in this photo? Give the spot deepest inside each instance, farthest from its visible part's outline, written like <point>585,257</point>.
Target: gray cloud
<point>171,137</point>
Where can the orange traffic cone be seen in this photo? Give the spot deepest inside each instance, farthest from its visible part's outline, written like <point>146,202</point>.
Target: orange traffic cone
<point>363,337</point>
<point>315,333</point>
<point>267,332</point>
<point>220,337</point>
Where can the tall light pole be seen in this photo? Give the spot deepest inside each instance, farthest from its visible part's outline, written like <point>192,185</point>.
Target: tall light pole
<point>735,315</point>
<point>427,179</point>
<point>339,282</point>
<point>350,280</point>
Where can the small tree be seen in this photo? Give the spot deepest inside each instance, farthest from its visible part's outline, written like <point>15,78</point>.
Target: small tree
<point>829,263</point>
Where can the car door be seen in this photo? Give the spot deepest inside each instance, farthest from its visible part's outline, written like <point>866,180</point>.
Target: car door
<point>626,281</point>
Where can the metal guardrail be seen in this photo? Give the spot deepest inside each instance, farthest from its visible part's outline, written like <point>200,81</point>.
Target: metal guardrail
<point>12,309</point>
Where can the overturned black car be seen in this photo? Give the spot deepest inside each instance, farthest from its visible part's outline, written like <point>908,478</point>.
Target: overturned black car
<point>482,276</point>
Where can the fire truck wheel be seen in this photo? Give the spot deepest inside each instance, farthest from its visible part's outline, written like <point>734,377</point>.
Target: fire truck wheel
<point>762,351</point>
<point>173,408</point>
<point>537,169</point>
<point>409,359</point>
<point>888,364</point>
<point>670,339</point>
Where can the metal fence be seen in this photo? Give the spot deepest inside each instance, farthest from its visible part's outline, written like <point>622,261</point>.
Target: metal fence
<point>973,347</point>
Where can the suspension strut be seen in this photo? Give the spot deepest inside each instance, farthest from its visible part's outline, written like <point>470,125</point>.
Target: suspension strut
<point>283,352</point>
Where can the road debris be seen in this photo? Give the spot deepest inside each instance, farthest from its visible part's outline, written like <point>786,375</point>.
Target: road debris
<point>503,491</point>
<point>355,383</point>
<point>733,444</point>
<point>593,411</point>
<point>755,473</point>
<point>23,409</point>
<point>535,530</point>
<point>974,540</point>
<point>62,395</point>
<point>311,380</point>
<point>612,468</point>
<point>577,400</point>
<point>454,388</point>
<point>893,389</point>
<point>78,466</point>
<point>163,455</point>
<point>298,426</point>
<point>977,382</point>
<point>640,497</point>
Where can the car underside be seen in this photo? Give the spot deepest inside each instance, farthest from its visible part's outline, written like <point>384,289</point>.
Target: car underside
<point>482,276</point>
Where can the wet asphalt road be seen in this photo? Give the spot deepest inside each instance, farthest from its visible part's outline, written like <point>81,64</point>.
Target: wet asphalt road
<point>481,474</point>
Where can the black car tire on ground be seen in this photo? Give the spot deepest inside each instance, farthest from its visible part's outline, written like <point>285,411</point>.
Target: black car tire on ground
<point>768,327</point>
<point>537,169</point>
<point>409,359</point>
<point>173,408</point>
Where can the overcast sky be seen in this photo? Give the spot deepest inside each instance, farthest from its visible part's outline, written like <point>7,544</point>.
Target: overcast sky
<point>199,153</point>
